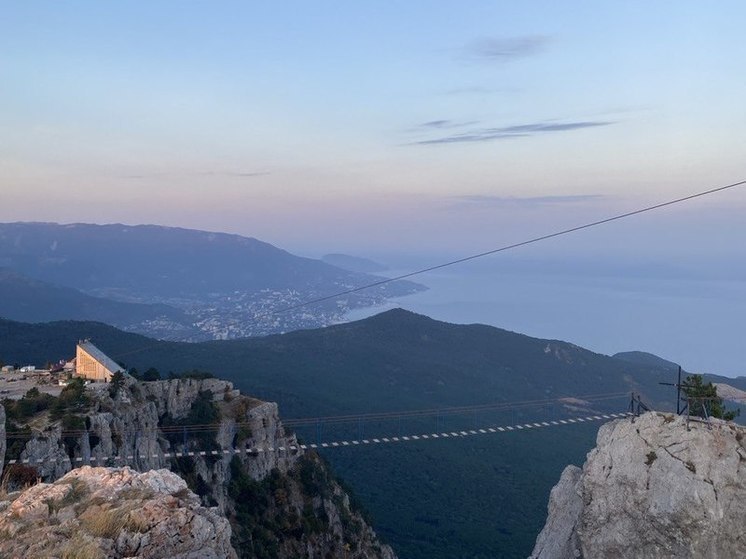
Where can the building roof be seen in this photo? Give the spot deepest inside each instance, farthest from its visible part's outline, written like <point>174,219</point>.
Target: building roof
<point>100,356</point>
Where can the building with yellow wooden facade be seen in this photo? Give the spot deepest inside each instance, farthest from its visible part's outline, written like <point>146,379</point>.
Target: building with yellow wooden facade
<point>93,364</point>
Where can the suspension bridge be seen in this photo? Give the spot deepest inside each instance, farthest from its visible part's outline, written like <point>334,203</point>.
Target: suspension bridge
<point>188,432</point>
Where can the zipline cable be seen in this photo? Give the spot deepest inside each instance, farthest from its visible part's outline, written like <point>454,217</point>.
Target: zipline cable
<point>510,246</point>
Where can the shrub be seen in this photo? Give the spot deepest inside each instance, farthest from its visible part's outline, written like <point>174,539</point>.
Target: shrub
<point>29,405</point>
<point>20,476</point>
<point>117,381</point>
<point>72,398</point>
<point>313,478</point>
<point>650,457</point>
<point>203,412</point>
<point>193,374</point>
<point>242,435</point>
<point>17,437</point>
<point>151,375</point>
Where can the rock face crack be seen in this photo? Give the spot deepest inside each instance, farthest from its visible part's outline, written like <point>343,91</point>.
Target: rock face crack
<point>675,457</point>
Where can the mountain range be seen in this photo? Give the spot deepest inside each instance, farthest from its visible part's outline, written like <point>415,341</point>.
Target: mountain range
<point>353,263</point>
<point>473,497</point>
<point>187,284</point>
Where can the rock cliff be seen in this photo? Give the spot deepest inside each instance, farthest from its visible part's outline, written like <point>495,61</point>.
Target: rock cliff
<point>652,488</point>
<point>113,512</point>
<point>281,501</point>
<point>3,441</point>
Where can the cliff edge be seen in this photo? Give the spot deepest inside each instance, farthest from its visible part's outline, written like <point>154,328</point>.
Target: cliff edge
<point>113,512</point>
<point>231,450</point>
<point>652,488</point>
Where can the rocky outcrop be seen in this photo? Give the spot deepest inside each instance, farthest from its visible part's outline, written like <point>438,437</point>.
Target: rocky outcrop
<point>112,513</point>
<point>652,488</point>
<point>216,432</point>
<point>728,392</point>
<point>3,441</point>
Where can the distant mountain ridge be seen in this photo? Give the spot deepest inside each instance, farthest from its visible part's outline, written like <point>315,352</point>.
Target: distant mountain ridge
<point>230,286</point>
<point>645,358</point>
<point>354,263</point>
<point>730,389</point>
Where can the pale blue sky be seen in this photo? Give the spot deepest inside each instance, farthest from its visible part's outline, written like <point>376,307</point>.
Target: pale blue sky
<point>410,131</point>
<point>323,125</point>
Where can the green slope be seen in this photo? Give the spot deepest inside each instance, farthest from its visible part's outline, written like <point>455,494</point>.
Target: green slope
<point>479,497</point>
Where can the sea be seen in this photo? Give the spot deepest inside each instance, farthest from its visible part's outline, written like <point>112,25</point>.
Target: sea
<point>698,323</point>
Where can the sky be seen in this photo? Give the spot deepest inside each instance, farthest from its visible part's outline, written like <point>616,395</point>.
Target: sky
<point>407,131</point>
<point>304,122</point>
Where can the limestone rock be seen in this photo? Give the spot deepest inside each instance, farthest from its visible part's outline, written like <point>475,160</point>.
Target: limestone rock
<point>652,488</point>
<point>113,513</point>
<point>559,537</point>
<point>2,439</point>
<point>128,428</point>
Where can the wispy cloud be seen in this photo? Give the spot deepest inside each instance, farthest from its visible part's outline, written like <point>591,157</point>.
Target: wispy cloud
<point>527,201</point>
<point>510,132</point>
<point>161,175</point>
<point>435,124</point>
<point>503,49</point>
<point>445,124</point>
<point>232,173</point>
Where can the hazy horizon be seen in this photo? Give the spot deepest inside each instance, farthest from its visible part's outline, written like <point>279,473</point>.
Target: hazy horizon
<point>410,134</point>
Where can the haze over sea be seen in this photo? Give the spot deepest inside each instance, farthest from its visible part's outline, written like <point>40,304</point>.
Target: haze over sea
<point>606,313</point>
<point>419,127</point>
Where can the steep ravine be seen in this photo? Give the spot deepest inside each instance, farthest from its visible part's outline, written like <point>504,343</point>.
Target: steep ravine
<point>279,503</point>
<point>652,488</point>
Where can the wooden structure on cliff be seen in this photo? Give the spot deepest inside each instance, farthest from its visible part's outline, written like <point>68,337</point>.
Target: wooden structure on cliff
<point>93,364</point>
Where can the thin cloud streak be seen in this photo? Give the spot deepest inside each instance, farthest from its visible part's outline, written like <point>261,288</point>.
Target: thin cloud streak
<point>529,201</point>
<point>233,173</point>
<point>237,174</point>
<point>509,132</point>
<point>445,124</point>
<point>506,48</point>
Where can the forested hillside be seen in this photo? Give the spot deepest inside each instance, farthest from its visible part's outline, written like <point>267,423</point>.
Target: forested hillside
<point>429,499</point>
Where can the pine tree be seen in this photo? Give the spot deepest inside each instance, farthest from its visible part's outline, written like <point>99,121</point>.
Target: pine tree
<point>704,399</point>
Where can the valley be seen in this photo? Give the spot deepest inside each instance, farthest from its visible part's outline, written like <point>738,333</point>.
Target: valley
<point>397,361</point>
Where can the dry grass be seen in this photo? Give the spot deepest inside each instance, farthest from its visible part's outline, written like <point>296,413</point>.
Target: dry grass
<point>135,522</point>
<point>138,494</point>
<point>103,523</point>
<point>81,548</point>
<point>78,490</point>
